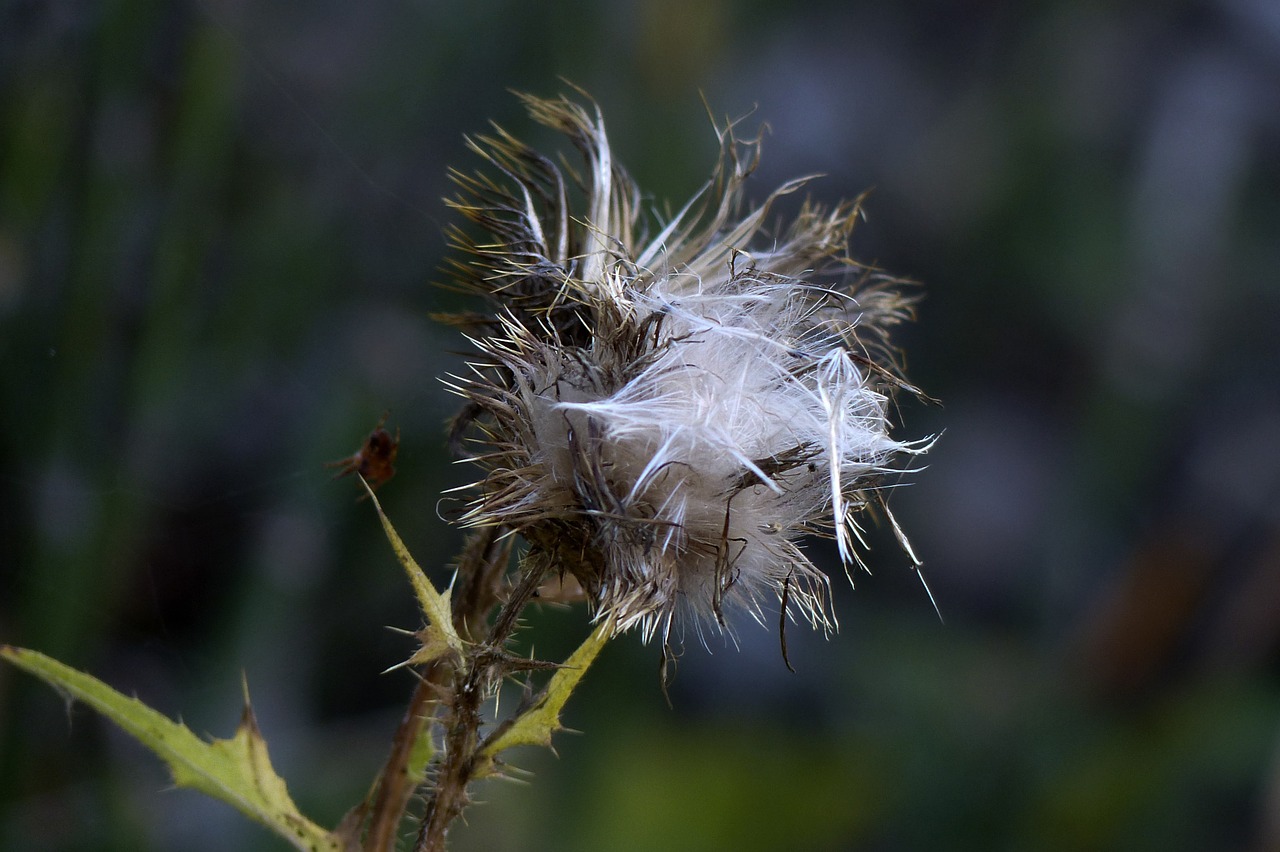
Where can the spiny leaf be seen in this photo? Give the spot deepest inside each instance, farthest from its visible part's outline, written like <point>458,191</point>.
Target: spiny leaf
<point>438,637</point>
<point>235,770</point>
<point>542,719</point>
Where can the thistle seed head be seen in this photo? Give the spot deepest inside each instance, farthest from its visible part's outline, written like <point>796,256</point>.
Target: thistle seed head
<point>665,416</point>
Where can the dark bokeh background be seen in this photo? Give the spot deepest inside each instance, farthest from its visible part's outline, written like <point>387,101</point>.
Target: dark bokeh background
<point>219,224</point>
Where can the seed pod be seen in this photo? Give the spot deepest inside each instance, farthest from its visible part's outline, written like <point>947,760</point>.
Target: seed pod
<point>664,417</point>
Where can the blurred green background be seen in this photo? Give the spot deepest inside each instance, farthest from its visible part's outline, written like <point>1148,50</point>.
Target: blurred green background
<point>219,225</point>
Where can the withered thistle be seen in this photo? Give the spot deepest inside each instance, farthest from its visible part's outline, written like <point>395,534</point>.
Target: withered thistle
<point>664,407</point>
<point>661,418</point>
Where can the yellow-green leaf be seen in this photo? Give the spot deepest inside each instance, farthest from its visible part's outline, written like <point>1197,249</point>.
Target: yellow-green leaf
<point>438,637</point>
<point>235,770</point>
<point>542,719</point>
<point>424,749</point>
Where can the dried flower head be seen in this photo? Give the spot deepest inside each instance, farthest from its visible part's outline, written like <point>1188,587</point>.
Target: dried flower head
<point>663,417</point>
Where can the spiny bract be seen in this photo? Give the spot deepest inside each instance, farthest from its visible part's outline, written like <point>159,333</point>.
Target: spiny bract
<point>664,417</point>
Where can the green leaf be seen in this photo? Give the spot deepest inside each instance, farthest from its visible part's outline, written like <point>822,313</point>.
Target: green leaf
<point>542,718</point>
<point>438,637</point>
<point>420,756</point>
<point>235,770</point>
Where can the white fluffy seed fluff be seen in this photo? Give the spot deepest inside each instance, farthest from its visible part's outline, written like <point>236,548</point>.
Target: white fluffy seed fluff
<point>664,418</point>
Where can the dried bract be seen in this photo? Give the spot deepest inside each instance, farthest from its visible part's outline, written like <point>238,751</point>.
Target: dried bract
<point>664,417</point>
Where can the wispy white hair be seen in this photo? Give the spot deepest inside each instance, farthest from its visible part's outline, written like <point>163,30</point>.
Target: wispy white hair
<point>664,418</point>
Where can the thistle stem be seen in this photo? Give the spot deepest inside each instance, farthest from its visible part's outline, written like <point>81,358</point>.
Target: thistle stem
<point>395,787</point>
<point>450,797</point>
<point>472,685</point>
